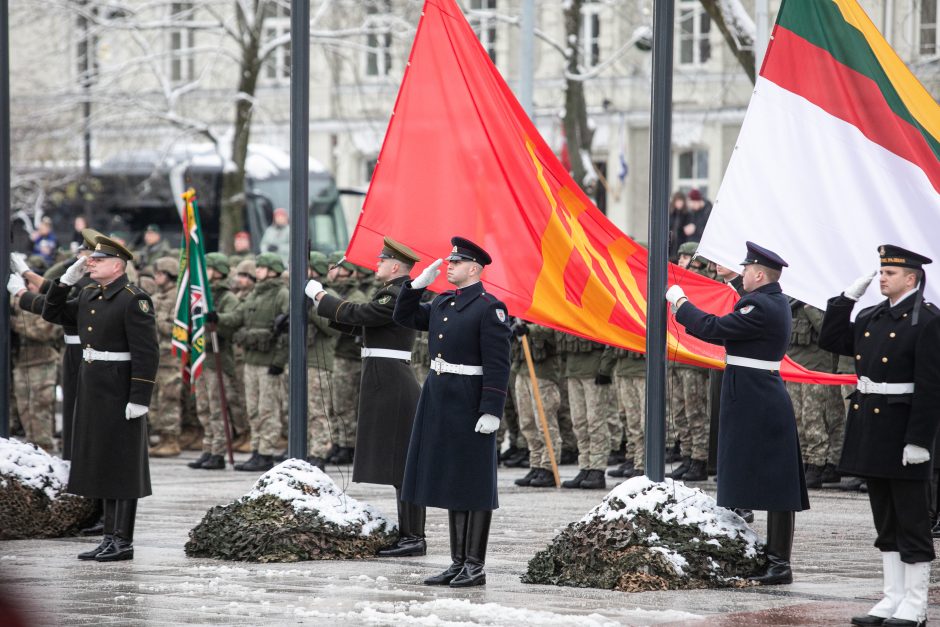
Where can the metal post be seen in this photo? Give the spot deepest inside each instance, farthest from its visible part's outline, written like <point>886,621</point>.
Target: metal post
<point>5,199</point>
<point>660,155</point>
<point>526,57</point>
<point>299,201</point>
<point>762,23</point>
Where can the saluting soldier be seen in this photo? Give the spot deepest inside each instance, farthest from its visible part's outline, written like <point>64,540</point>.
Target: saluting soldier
<point>759,460</point>
<point>120,351</point>
<point>389,389</point>
<point>892,421</point>
<point>452,455</point>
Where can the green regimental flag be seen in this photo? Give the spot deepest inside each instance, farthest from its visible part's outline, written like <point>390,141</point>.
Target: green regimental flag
<point>193,297</point>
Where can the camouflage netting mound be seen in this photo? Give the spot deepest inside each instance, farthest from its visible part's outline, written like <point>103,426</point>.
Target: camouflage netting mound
<point>294,512</point>
<point>33,501</point>
<point>651,536</point>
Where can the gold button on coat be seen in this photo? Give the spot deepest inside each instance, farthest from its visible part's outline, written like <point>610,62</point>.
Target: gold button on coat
<point>877,411</point>
<point>892,334</point>
<point>867,333</point>
<point>884,360</point>
<point>440,336</point>
<point>855,406</point>
<point>857,357</point>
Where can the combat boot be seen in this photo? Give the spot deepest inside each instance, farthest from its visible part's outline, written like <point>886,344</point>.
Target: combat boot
<point>527,480</point>
<point>319,462</point>
<point>576,482</point>
<point>620,470</point>
<point>696,471</point>
<point>673,453</point>
<point>683,468</point>
<point>202,459</point>
<point>594,481</point>
<point>830,474</point>
<point>544,478</point>
<point>519,460</point>
<point>509,452</point>
<point>191,437</point>
<point>215,462</point>
<point>242,444</point>
<point>250,460</point>
<point>169,446</point>
<point>343,456</point>
<point>813,476</point>
<point>261,463</point>
<point>331,454</point>
<point>615,458</point>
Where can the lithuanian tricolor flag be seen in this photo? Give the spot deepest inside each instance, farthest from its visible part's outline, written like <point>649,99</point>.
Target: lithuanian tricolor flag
<point>839,153</point>
<point>461,157</point>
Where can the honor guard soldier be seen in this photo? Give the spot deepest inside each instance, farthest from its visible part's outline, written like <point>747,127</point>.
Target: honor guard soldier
<point>389,392</point>
<point>452,454</point>
<point>892,421</point>
<point>120,354</point>
<point>759,460</point>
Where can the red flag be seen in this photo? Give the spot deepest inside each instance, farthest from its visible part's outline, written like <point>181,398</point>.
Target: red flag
<point>461,157</point>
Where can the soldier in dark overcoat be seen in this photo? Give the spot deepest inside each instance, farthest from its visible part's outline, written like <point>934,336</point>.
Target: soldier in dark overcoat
<point>892,422</point>
<point>760,465</point>
<point>388,389</point>
<point>452,455</point>
<point>120,354</point>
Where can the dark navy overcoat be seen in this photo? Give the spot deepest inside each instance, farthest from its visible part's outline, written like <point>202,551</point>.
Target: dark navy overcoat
<point>760,465</point>
<point>887,349</point>
<point>449,464</point>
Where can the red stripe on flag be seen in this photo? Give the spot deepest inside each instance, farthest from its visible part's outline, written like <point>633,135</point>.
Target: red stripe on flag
<point>812,73</point>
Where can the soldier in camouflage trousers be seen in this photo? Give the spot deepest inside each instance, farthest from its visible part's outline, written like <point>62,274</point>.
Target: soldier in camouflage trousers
<point>208,392</point>
<point>34,373</point>
<point>347,366</point>
<point>242,285</point>
<point>165,409</point>
<point>818,409</point>
<point>254,327</point>
<point>321,346</point>
<point>630,382</point>
<point>591,400</point>
<point>542,346</point>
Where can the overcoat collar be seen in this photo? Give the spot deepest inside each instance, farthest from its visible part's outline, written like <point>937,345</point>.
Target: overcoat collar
<point>464,296</point>
<point>115,286</point>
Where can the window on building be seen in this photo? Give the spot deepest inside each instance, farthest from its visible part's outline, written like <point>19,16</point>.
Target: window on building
<point>182,40</point>
<point>276,25</point>
<point>692,170</point>
<point>485,26</point>
<point>369,167</point>
<point>378,41</point>
<point>695,26</point>
<point>590,33</point>
<point>86,48</point>
<point>929,10</point>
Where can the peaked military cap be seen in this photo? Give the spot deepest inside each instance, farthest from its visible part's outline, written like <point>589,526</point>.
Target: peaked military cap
<point>89,239</point>
<point>218,262</point>
<point>107,247</point>
<point>892,255</point>
<point>397,250</point>
<point>760,255</point>
<point>465,250</point>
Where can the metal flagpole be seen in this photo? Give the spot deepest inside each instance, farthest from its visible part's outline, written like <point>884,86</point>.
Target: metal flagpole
<point>660,154</point>
<point>5,199</point>
<point>299,182</point>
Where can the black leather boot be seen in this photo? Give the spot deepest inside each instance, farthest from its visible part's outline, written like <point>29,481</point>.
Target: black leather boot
<point>696,471</point>
<point>526,480</point>
<point>576,481</point>
<point>261,463</point>
<point>250,460</point>
<point>594,481</point>
<point>813,475</point>
<point>215,462</point>
<point>478,534</point>
<point>458,548</point>
<point>779,545</point>
<point>319,462</point>
<point>621,470</point>
<point>411,541</point>
<point>107,527</point>
<point>122,546</point>
<point>683,468</point>
<point>202,459</point>
<point>544,478</point>
<point>98,528</point>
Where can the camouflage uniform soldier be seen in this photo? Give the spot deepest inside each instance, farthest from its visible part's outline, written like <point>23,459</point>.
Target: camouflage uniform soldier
<point>542,347</point>
<point>321,346</point>
<point>34,373</point>
<point>630,381</point>
<point>818,408</point>
<point>208,393</point>
<point>689,397</point>
<point>347,366</point>
<point>165,414</point>
<point>569,442</point>
<point>590,397</point>
<point>253,325</point>
<point>242,285</point>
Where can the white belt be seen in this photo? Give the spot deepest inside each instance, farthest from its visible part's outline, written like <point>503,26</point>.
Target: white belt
<point>90,354</point>
<point>867,386</point>
<point>386,352</point>
<point>747,362</point>
<point>72,339</point>
<point>438,365</point>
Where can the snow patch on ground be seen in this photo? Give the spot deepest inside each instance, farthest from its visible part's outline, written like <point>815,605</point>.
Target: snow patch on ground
<point>307,487</point>
<point>33,467</point>
<point>692,506</point>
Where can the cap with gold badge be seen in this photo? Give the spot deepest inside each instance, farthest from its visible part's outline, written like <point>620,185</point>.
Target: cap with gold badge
<point>891,255</point>
<point>465,250</point>
<point>398,251</point>
<point>89,239</point>
<point>107,247</point>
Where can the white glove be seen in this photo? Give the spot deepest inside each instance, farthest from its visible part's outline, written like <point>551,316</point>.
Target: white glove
<point>18,263</point>
<point>859,286</point>
<point>16,284</point>
<point>673,295</point>
<point>488,423</point>
<point>74,272</point>
<point>914,454</point>
<point>133,410</point>
<point>313,288</point>
<point>427,275</point>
